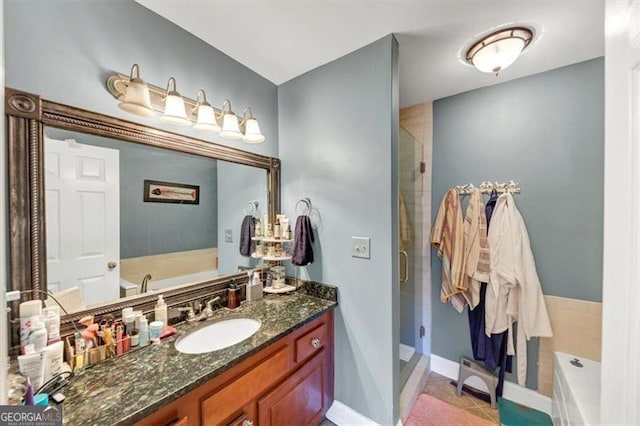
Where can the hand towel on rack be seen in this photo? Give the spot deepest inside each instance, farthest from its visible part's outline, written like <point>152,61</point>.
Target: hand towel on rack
<point>476,247</point>
<point>303,248</point>
<point>247,230</point>
<point>447,236</point>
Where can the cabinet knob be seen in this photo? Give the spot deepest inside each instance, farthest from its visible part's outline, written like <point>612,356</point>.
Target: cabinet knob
<point>315,342</point>
<point>247,422</point>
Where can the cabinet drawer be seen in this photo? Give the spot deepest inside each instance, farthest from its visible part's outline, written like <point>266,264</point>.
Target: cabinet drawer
<point>229,400</point>
<point>311,342</point>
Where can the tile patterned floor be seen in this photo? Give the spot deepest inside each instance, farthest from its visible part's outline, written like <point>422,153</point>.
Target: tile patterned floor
<point>439,387</point>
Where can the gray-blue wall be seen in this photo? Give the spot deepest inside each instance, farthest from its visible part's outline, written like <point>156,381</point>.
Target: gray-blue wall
<point>546,132</point>
<point>338,146</point>
<point>155,228</point>
<point>64,51</point>
<point>71,47</point>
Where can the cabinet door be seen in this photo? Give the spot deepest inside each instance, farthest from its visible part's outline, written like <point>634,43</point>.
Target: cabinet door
<point>302,399</point>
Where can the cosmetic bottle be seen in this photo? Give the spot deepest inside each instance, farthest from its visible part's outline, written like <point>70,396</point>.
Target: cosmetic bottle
<point>143,332</point>
<point>155,330</point>
<point>51,316</point>
<point>160,312</point>
<point>38,335</point>
<point>233,295</point>
<point>254,287</point>
<point>28,310</point>
<point>258,231</point>
<point>276,229</point>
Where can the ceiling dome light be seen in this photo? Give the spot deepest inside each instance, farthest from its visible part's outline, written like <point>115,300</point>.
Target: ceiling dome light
<point>496,51</point>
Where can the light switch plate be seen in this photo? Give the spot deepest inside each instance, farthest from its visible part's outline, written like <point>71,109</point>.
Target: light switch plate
<point>228,236</point>
<point>361,247</point>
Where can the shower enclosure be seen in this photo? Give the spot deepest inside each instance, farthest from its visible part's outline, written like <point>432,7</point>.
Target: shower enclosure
<point>413,229</point>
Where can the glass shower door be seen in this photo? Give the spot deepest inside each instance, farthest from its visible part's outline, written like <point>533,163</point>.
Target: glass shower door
<point>410,244</point>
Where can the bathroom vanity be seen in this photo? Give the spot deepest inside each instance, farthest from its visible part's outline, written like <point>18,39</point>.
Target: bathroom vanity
<point>283,374</point>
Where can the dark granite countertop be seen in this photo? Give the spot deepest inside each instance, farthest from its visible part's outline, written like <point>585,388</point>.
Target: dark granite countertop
<point>127,389</point>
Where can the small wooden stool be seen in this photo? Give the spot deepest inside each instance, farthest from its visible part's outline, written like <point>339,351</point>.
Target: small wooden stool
<point>470,368</point>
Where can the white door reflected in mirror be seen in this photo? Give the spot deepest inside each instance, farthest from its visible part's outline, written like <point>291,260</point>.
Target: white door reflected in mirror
<point>82,219</point>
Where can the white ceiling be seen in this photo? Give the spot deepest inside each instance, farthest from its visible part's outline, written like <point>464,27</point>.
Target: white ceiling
<point>282,39</point>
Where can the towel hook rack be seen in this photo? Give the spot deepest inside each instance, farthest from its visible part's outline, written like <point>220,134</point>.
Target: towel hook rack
<point>306,201</point>
<point>251,208</point>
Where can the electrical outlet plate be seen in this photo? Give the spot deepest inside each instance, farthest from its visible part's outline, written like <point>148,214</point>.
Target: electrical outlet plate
<point>228,236</point>
<point>361,247</point>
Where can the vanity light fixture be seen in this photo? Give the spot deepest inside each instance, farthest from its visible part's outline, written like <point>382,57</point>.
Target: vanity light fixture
<point>230,126</point>
<point>252,132</point>
<point>205,115</point>
<point>497,50</point>
<point>136,97</point>
<point>174,110</point>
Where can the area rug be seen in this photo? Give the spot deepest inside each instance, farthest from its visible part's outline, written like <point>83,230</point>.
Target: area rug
<point>429,411</point>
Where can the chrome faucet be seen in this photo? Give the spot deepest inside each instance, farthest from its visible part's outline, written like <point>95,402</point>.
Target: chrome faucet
<point>202,315</point>
<point>145,282</point>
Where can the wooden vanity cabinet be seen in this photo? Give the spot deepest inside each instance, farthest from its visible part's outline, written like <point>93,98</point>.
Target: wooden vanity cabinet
<point>290,382</point>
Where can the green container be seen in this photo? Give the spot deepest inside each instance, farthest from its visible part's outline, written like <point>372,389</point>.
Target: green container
<point>512,414</point>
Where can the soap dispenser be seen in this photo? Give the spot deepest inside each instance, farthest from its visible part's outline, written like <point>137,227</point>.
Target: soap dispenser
<point>160,312</point>
<point>233,295</point>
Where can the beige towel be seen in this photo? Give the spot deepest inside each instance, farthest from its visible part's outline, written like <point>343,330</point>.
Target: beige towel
<point>476,247</point>
<point>405,229</point>
<point>447,235</point>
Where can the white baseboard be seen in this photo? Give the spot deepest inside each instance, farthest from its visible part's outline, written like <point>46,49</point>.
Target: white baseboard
<point>406,352</point>
<point>343,415</point>
<point>511,391</point>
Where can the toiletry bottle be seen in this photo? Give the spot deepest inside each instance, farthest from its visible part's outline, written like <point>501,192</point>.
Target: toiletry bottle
<point>143,332</point>
<point>53,334</point>
<point>51,317</point>
<point>233,295</point>
<point>256,287</point>
<point>160,313</point>
<point>38,335</point>
<point>28,310</point>
<point>276,229</point>
<point>258,228</point>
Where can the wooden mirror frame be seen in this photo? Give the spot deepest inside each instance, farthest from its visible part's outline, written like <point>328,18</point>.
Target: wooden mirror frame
<point>27,115</point>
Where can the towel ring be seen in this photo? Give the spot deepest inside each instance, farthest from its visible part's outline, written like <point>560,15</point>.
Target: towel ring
<point>306,201</point>
<point>251,208</point>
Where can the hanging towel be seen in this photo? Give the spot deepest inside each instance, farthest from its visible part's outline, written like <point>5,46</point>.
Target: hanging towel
<point>447,236</point>
<point>247,230</point>
<point>303,246</point>
<point>476,247</point>
<point>405,229</point>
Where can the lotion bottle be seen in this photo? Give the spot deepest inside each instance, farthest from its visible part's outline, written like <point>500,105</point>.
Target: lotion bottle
<point>160,312</point>
<point>143,332</point>
<point>38,335</point>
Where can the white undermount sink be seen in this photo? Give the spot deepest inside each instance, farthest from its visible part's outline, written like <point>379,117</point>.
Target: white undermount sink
<point>218,335</point>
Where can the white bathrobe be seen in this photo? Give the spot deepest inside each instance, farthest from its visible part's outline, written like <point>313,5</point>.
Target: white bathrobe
<point>514,292</point>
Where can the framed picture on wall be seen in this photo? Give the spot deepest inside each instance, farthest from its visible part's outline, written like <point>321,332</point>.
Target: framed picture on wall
<point>169,192</point>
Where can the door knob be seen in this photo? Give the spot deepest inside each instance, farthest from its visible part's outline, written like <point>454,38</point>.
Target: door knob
<point>315,343</point>
<point>112,264</point>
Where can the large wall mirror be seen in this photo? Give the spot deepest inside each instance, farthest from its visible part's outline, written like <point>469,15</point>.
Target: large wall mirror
<point>108,213</point>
